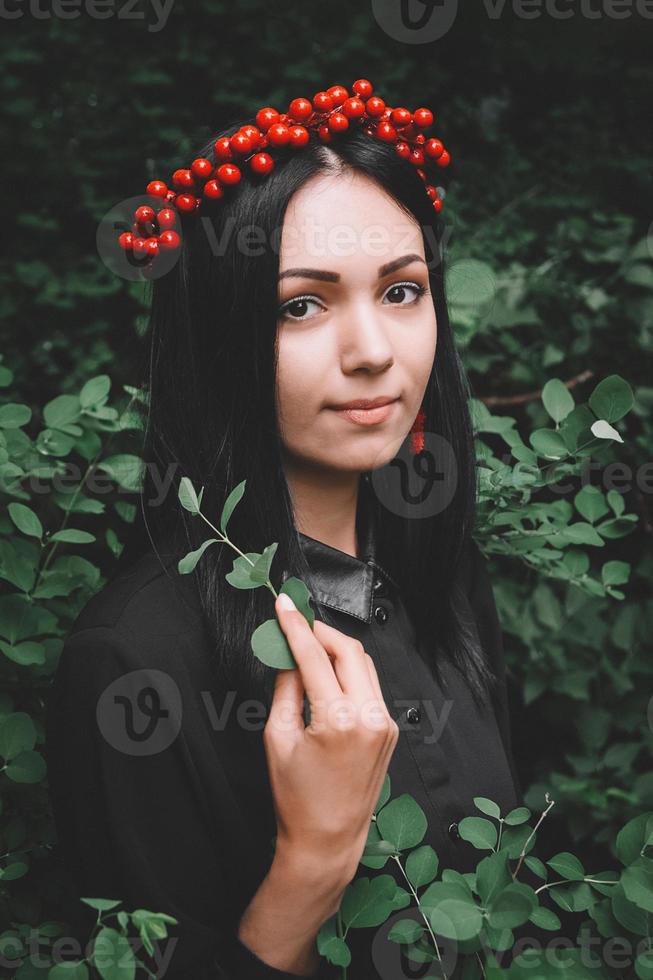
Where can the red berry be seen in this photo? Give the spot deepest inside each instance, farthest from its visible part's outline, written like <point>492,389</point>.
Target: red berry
<point>375,106</point>
<point>139,247</point>
<point>167,218</point>
<point>228,173</point>
<point>402,149</point>
<point>185,202</point>
<point>152,246</point>
<point>324,133</point>
<point>169,240</point>
<point>437,204</point>
<point>444,160</point>
<point>338,93</point>
<point>299,136</point>
<point>251,131</point>
<point>385,131</point>
<point>278,134</point>
<point>401,117</point>
<point>170,196</point>
<point>183,179</point>
<point>261,163</point>
<point>157,188</point>
<point>353,108</point>
<point>240,144</point>
<point>300,109</point>
<point>322,102</point>
<point>416,156</point>
<point>202,167</point>
<point>434,148</point>
<point>266,117</point>
<point>432,192</point>
<point>126,240</point>
<point>223,149</point>
<point>423,118</point>
<point>213,189</point>
<point>144,214</point>
<point>338,122</point>
<point>363,87</point>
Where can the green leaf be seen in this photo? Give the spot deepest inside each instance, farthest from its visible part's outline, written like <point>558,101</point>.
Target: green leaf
<point>68,971</point>
<point>603,430</point>
<point>102,904</point>
<point>517,816</point>
<point>368,901</point>
<point>557,399</point>
<point>479,832</point>
<point>25,520</point>
<point>95,391</point>
<point>187,564</point>
<point>26,653</point>
<point>615,572</point>
<point>548,443</point>
<point>637,883</point>
<point>71,535</point>
<point>269,644</point>
<point>567,865</point>
<point>611,399</point>
<point>456,918</point>
<point>590,504</point>
<point>230,505</point>
<point>126,469</point>
<point>61,411</point>
<point>421,866</point>
<point>26,767</point>
<point>492,875</point>
<point>632,838</point>
<point>487,806</point>
<point>545,919</point>
<point>298,592</point>
<point>537,867</point>
<point>260,572</point>
<point>113,956</point>
<point>581,533</point>
<point>406,931</point>
<point>13,415</point>
<point>188,497</point>
<point>331,946</point>
<point>17,734</point>
<point>403,822</point>
<point>240,575</point>
<point>510,908</point>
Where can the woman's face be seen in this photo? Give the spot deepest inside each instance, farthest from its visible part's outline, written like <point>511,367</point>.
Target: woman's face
<point>356,321</point>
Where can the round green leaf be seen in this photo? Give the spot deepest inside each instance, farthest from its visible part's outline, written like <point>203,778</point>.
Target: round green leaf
<point>557,399</point>
<point>479,832</point>
<point>456,918</point>
<point>421,866</point>
<point>403,822</point>
<point>567,865</point>
<point>13,416</point>
<point>612,398</point>
<point>487,806</point>
<point>26,767</point>
<point>269,644</point>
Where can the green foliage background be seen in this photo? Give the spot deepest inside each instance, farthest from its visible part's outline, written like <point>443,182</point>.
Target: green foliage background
<point>548,214</point>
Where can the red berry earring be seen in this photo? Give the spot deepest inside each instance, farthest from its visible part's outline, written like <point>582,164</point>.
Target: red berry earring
<point>417,433</point>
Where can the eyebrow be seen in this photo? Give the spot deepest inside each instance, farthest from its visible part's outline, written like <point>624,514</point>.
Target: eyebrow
<point>322,274</point>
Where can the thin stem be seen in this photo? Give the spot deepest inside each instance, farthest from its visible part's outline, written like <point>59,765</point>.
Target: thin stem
<point>423,914</point>
<point>533,831</point>
<point>342,932</point>
<point>225,540</point>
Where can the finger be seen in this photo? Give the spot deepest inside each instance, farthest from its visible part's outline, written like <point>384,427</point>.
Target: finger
<point>313,663</point>
<point>348,662</point>
<point>287,709</point>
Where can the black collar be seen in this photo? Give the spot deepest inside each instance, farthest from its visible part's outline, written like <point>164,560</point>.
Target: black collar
<point>341,581</point>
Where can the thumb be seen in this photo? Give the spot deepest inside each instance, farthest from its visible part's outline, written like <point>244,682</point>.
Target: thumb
<point>287,710</point>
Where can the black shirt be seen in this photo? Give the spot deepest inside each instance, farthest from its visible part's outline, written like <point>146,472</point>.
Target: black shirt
<point>159,782</point>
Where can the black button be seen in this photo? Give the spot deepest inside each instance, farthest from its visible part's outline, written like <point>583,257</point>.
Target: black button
<point>381,614</point>
<point>453,831</point>
<point>413,715</point>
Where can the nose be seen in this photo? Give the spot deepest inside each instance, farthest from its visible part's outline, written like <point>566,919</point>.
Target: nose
<point>365,341</point>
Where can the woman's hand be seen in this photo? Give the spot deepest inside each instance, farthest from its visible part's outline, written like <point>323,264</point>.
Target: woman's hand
<point>326,777</point>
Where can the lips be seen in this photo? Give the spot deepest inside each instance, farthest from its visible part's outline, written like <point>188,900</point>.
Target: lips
<point>366,402</point>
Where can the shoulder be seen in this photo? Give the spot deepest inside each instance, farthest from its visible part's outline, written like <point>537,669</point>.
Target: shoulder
<point>147,616</point>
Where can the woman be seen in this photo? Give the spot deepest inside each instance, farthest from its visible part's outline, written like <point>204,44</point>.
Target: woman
<point>183,778</point>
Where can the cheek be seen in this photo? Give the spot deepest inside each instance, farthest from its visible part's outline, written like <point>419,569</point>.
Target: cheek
<point>298,380</point>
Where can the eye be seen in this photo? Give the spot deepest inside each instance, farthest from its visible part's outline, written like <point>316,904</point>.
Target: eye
<point>399,290</point>
<point>295,309</point>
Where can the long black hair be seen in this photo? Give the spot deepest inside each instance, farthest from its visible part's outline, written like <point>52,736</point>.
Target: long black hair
<point>209,374</point>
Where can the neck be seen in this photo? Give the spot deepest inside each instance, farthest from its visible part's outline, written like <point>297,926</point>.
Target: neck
<point>324,505</point>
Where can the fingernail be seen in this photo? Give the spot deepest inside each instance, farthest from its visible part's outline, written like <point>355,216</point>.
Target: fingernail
<point>285,601</point>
